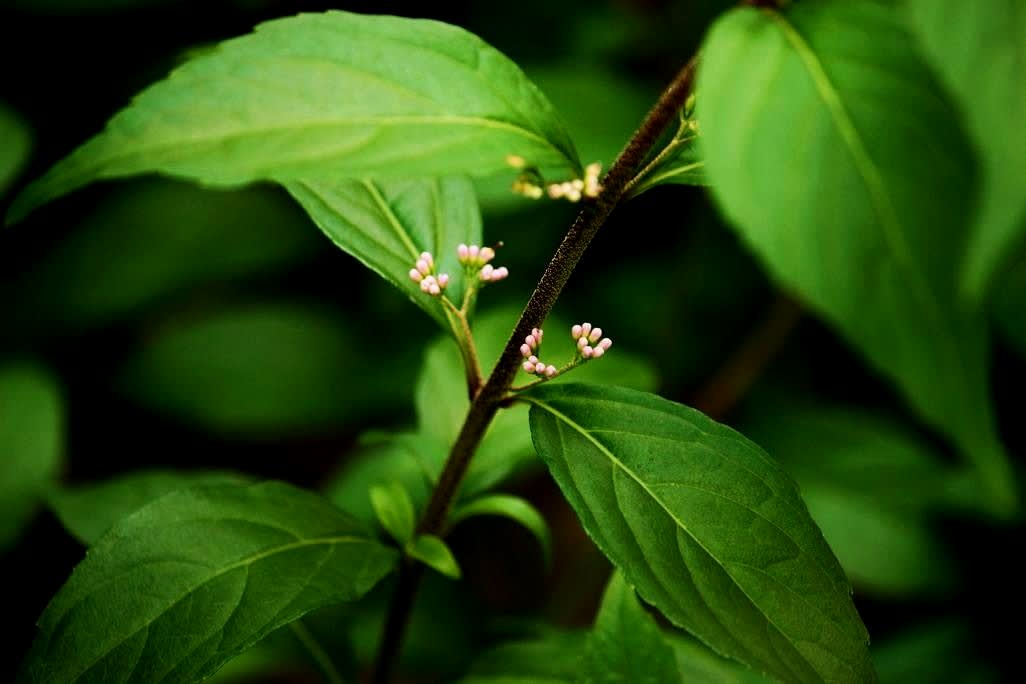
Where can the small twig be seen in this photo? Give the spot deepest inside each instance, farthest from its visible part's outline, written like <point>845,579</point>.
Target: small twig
<point>465,341</point>
<point>486,403</point>
<point>736,376</point>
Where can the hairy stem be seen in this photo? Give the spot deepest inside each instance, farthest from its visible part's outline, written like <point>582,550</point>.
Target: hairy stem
<point>484,406</point>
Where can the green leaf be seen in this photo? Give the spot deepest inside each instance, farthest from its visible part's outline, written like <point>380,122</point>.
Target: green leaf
<point>441,394</point>
<point>549,659</point>
<point>625,644</point>
<point>114,265</point>
<point>837,179</point>
<point>329,95</point>
<point>706,526</point>
<point>15,146</point>
<point>699,664</point>
<point>31,443</point>
<point>387,224</point>
<point>88,511</point>
<point>512,507</point>
<point>414,460</point>
<point>682,166</point>
<point>434,553</point>
<point>394,510</point>
<point>979,51</point>
<point>266,369</point>
<point>201,575</point>
<point>933,653</point>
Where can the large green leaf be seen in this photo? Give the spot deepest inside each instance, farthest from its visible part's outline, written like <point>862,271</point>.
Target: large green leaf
<point>442,403</point>
<point>31,440</point>
<point>548,659</point>
<point>706,526</point>
<point>698,664</point>
<point>327,95</point>
<point>828,144</point>
<point>265,370</point>
<point>87,511</point>
<point>387,224</point>
<point>156,239</point>
<point>625,644</point>
<point>15,145</point>
<point>979,50</point>
<point>182,585</point>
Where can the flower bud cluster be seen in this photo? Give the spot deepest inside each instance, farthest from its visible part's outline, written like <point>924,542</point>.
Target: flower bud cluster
<point>531,345</point>
<point>475,260</point>
<point>590,343</point>
<point>423,273</point>
<point>575,189</point>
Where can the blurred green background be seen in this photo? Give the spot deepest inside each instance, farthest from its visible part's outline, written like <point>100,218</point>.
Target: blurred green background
<point>155,324</point>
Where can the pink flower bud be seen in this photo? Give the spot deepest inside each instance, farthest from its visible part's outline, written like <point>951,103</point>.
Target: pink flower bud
<point>595,336</point>
<point>528,366</point>
<point>575,332</point>
<point>539,367</point>
<point>423,266</point>
<point>435,290</point>
<point>462,252</point>
<point>415,275</point>
<point>474,251</point>
<point>531,342</point>
<point>587,352</point>
<point>550,371</point>
<point>500,273</point>
<point>585,329</point>
<point>487,254</point>
<point>597,352</point>
<point>443,280</point>
<point>532,359</point>
<point>582,342</point>
<point>538,332</point>
<point>486,273</point>
<point>525,350</point>
<point>605,344</point>
<point>426,256</point>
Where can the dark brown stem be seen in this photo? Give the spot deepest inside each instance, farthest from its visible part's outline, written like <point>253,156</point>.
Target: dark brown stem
<point>743,367</point>
<point>484,406</point>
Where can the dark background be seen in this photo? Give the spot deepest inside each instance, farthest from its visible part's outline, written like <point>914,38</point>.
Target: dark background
<point>88,281</point>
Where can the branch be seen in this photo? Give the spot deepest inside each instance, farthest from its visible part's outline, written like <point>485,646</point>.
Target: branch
<point>483,408</point>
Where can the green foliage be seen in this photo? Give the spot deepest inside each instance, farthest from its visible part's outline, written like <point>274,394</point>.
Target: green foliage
<point>550,659</point>
<point>979,49</point>
<point>202,574</point>
<point>267,369</point>
<point>15,145</point>
<point>870,486</point>
<point>152,242</point>
<point>88,511</point>
<point>626,645</point>
<point>706,526</point>
<point>1009,306</point>
<point>433,552</point>
<point>394,510</point>
<point>387,224</point>
<point>329,95</point>
<point>31,444</point>
<point>512,507</point>
<point>698,664</point>
<point>876,244</point>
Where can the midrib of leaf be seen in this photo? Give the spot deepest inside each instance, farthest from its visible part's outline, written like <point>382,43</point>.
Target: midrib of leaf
<point>677,171</point>
<point>332,542</point>
<point>393,220</point>
<point>612,457</point>
<point>882,205</point>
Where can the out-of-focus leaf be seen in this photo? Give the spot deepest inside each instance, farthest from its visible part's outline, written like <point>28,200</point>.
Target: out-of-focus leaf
<point>551,659</point>
<point>265,370</point>
<point>15,145</point>
<point>433,552</point>
<point>625,644</point>
<point>708,528</point>
<point>441,394</point>
<point>31,440</point>
<point>819,162</point>
<point>512,507</point>
<point>683,166</point>
<point>329,95</point>
<point>869,485</point>
<point>154,240</point>
<point>394,510</point>
<point>388,224</point>
<point>88,511</point>
<point>979,50</point>
<point>1010,306</point>
<point>202,574</point>
<point>411,459</point>
<point>936,653</point>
